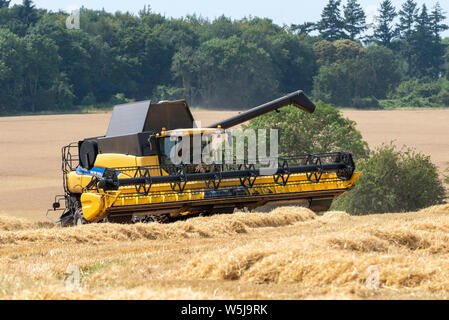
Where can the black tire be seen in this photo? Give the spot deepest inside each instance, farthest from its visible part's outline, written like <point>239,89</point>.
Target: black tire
<point>78,219</point>
<point>67,222</point>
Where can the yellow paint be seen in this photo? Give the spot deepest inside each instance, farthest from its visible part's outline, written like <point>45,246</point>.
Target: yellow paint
<point>115,160</point>
<point>96,204</point>
<point>93,205</point>
<point>76,182</point>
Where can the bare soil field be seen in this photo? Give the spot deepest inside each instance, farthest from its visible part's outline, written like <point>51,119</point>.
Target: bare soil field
<point>427,130</point>
<point>290,253</point>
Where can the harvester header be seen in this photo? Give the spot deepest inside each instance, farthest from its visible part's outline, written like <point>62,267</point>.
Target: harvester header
<point>128,175</point>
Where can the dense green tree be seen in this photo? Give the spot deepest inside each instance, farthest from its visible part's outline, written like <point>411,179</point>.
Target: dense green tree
<point>219,69</point>
<point>144,56</point>
<point>12,63</point>
<point>42,71</point>
<point>220,62</point>
<point>28,13</point>
<point>260,32</point>
<point>407,19</point>
<point>222,27</point>
<point>386,73</point>
<point>294,61</point>
<point>325,52</point>
<point>426,62</point>
<point>437,18</point>
<point>344,82</point>
<point>325,130</point>
<point>408,16</point>
<point>347,50</point>
<point>353,73</point>
<point>304,28</point>
<point>437,25</point>
<point>354,19</point>
<point>424,92</point>
<point>385,31</point>
<point>331,25</point>
<point>185,71</point>
<point>4,3</point>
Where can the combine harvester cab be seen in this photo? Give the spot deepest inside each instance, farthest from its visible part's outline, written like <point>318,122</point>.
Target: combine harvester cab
<point>128,175</point>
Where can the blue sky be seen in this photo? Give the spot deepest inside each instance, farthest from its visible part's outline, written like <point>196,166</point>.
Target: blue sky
<point>280,11</point>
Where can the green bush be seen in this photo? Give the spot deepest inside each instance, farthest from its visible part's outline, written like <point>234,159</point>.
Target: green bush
<point>427,90</point>
<point>393,181</point>
<point>419,93</point>
<point>326,130</point>
<point>442,99</point>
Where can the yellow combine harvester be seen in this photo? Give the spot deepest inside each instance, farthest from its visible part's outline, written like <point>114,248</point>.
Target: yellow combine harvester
<point>128,175</point>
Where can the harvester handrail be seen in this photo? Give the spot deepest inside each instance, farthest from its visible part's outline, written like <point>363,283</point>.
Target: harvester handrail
<point>236,162</point>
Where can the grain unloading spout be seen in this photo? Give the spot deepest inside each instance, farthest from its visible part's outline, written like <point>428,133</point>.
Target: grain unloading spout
<point>298,99</point>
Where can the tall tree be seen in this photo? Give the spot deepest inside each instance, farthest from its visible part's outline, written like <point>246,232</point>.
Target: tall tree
<point>28,12</point>
<point>354,19</point>
<point>407,16</point>
<point>4,3</point>
<point>406,31</point>
<point>12,71</point>
<point>425,61</point>
<point>437,17</point>
<point>42,69</point>
<point>304,28</point>
<point>385,31</point>
<point>331,25</point>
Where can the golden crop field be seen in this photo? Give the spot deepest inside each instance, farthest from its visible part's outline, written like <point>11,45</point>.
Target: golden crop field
<point>289,253</point>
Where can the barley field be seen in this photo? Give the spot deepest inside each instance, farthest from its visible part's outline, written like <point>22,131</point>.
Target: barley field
<point>289,253</point>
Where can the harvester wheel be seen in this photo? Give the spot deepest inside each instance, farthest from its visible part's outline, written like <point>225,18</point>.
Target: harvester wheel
<point>67,222</point>
<point>162,219</point>
<point>78,219</point>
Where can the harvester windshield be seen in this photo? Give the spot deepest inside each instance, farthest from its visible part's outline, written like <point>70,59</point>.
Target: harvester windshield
<point>191,149</point>
<point>166,146</point>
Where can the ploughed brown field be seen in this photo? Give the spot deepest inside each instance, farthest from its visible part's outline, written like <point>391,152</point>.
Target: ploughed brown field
<point>287,254</point>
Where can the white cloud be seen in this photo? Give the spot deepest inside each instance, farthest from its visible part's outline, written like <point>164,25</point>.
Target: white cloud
<point>372,13</point>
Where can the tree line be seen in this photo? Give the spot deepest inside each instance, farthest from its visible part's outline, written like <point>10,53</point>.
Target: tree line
<point>400,60</point>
